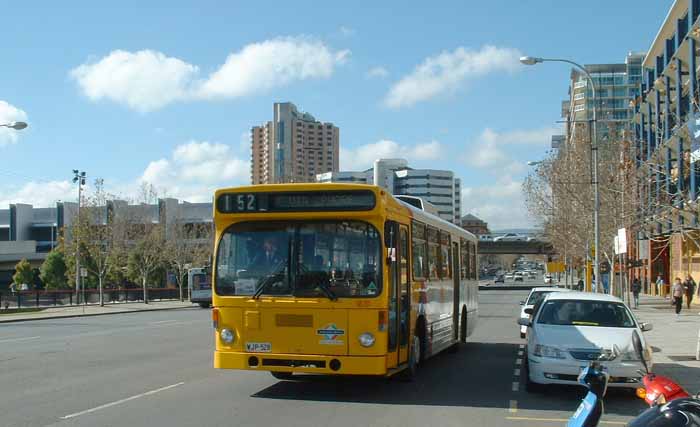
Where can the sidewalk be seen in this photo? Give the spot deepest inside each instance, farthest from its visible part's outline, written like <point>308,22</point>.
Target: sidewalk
<point>93,310</point>
<point>674,341</point>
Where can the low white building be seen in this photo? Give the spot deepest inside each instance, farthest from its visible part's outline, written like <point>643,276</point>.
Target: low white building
<point>438,187</point>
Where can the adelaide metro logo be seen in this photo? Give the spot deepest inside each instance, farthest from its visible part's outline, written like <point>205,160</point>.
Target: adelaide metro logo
<point>330,334</point>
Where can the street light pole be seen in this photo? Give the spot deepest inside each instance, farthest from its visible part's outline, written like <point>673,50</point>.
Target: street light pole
<point>79,178</point>
<point>529,60</point>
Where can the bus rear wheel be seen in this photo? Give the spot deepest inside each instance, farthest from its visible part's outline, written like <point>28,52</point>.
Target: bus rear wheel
<point>282,375</point>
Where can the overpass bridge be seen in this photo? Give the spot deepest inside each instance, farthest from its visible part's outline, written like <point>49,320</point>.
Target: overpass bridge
<point>489,247</point>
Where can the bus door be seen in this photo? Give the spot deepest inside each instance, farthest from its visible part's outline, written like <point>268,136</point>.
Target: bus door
<point>404,295</point>
<point>456,276</point>
<point>399,293</point>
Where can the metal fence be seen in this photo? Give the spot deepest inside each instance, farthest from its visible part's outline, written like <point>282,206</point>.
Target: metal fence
<point>67,297</point>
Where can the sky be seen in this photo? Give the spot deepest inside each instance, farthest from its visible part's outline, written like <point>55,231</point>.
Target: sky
<point>165,93</point>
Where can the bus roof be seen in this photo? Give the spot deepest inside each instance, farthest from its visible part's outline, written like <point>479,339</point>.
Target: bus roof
<point>416,213</point>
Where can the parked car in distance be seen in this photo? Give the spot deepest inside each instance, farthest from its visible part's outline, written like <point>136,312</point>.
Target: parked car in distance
<point>510,237</point>
<point>548,279</point>
<point>518,276</point>
<point>569,329</point>
<point>508,276</point>
<point>535,296</point>
<point>500,278</point>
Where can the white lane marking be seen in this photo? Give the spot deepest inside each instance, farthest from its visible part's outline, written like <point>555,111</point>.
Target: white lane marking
<point>518,362</point>
<point>513,407</point>
<point>118,402</point>
<point>516,372</point>
<point>516,385</point>
<point>520,353</point>
<point>19,339</point>
<point>163,321</point>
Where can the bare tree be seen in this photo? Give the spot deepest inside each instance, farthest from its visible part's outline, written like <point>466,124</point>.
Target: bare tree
<point>187,245</point>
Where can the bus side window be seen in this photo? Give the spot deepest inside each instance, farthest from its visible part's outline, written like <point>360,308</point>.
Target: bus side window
<point>418,250</point>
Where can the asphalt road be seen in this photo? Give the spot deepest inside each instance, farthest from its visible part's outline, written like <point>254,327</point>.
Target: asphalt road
<point>154,369</point>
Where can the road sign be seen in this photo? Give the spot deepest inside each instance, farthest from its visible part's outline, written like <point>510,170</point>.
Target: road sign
<point>83,272</point>
<point>622,240</point>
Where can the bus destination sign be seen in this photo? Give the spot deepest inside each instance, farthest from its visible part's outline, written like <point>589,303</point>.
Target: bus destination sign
<point>299,201</point>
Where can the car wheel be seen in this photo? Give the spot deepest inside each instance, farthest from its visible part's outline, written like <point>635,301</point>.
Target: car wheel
<point>531,386</point>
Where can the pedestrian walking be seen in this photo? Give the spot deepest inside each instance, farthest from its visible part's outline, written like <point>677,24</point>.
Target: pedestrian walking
<point>659,285</point>
<point>636,288</point>
<point>677,293</point>
<point>689,287</point>
<point>579,285</point>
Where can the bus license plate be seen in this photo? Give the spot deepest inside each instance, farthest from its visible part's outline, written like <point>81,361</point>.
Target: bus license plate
<point>258,347</point>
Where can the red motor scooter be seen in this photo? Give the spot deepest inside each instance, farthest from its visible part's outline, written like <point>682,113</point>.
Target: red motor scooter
<point>657,389</point>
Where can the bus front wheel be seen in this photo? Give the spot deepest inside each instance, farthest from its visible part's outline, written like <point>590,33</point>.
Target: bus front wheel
<point>282,375</point>
<point>414,356</point>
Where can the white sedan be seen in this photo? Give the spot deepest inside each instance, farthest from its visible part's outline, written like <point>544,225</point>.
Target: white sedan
<point>568,329</point>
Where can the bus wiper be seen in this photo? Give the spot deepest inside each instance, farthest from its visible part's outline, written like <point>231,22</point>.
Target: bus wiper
<point>268,280</point>
<point>327,290</point>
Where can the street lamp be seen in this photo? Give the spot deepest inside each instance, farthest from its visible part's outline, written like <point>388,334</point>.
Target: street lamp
<point>78,178</point>
<point>532,60</point>
<point>15,125</point>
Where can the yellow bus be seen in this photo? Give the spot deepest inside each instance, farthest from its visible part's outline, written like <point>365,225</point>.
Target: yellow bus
<point>337,279</point>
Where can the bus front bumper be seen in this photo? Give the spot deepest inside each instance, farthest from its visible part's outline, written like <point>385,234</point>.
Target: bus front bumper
<point>319,364</point>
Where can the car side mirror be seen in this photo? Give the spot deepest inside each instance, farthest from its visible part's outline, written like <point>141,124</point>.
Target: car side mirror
<point>528,311</point>
<point>524,322</point>
<point>522,302</point>
<point>646,327</point>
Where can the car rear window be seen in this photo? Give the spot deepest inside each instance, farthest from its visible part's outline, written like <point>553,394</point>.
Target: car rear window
<point>585,313</point>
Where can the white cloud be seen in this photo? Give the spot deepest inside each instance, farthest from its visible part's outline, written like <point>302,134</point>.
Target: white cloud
<point>363,157</point>
<point>39,194</point>
<point>492,148</point>
<point>145,80</point>
<point>148,80</point>
<point>195,169</point>
<point>377,72</point>
<point>10,113</point>
<point>501,204</point>
<point>448,71</point>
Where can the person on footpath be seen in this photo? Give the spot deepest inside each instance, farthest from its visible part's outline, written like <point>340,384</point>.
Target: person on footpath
<point>689,287</point>
<point>659,285</point>
<point>579,285</point>
<point>677,292</point>
<point>636,288</point>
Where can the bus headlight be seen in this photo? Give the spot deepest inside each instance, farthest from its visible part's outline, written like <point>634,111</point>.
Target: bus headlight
<point>366,339</point>
<point>227,336</point>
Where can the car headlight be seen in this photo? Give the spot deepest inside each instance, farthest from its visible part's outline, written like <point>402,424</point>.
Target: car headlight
<point>366,339</point>
<point>548,351</point>
<point>227,336</point>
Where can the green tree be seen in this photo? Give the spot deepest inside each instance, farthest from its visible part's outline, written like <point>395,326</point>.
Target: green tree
<point>53,270</point>
<point>188,245</point>
<point>23,273</point>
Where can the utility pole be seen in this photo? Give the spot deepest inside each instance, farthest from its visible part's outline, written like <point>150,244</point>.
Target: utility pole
<point>78,178</point>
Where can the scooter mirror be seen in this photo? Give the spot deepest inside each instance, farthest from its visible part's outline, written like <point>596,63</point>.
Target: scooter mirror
<point>639,348</point>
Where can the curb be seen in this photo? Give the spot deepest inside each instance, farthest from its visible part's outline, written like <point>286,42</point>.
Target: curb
<point>66,316</point>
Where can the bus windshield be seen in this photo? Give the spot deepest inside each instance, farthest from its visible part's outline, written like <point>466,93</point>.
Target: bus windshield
<point>301,259</point>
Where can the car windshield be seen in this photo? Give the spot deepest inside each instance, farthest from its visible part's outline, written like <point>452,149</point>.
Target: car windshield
<point>318,259</point>
<point>585,313</point>
<point>536,297</point>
